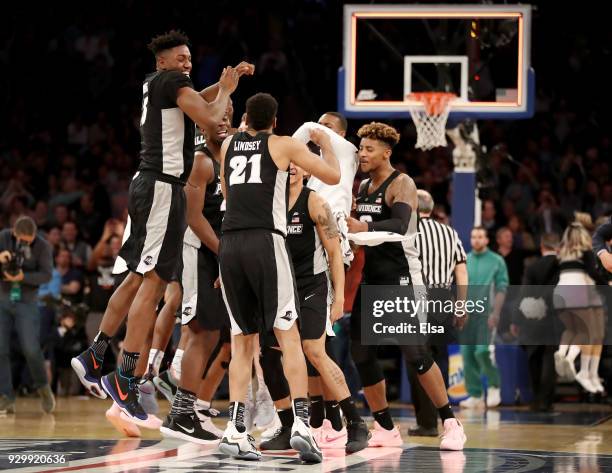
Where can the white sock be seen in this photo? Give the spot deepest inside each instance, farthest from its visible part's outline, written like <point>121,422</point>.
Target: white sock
<point>563,350</point>
<point>594,367</point>
<point>585,361</point>
<point>200,404</point>
<point>175,367</point>
<point>573,352</point>
<point>155,358</point>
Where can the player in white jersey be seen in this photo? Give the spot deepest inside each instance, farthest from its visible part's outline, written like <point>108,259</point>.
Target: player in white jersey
<point>338,196</point>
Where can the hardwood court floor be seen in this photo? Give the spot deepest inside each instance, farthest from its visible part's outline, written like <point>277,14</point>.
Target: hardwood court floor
<point>574,438</point>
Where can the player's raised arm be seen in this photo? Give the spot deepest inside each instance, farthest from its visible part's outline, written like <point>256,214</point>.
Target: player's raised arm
<point>210,92</point>
<point>203,113</point>
<point>326,169</point>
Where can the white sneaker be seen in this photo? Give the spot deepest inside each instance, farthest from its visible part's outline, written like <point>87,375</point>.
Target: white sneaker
<point>238,444</point>
<point>570,369</point>
<point>303,441</point>
<point>146,396</point>
<point>560,364</point>
<point>472,403</point>
<point>585,381</point>
<point>597,383</point>
<point>493,397</point>
<point>270,430</point>
<point>205,416</point>
<point>264,407</point>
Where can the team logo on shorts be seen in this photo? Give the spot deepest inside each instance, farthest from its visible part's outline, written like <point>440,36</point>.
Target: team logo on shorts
<point>187,311</point>
<point>288,316</point>
<point>148,260</point>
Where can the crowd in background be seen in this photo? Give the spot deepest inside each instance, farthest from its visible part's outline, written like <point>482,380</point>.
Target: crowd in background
<point>72,103</point>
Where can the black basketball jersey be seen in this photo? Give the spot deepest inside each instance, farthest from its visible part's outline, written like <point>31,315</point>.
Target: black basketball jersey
<point>166,133</point>
<point>389,261</point>
<point>257,191</point>
<point>307,253</point>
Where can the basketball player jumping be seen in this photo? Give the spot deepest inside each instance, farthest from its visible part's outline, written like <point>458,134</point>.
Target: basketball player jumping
<point>387,201</point>
<point>256,275</point>
<point>157,201</point>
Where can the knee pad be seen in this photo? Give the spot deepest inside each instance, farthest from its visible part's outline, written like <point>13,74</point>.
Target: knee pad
<point>274,377</point>
<point>312,371</point>
<point>418,357</point>
<point>370,372</point>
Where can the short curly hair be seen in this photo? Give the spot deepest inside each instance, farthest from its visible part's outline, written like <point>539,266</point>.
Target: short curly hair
<point>381,132</point>
<point>170,39</point>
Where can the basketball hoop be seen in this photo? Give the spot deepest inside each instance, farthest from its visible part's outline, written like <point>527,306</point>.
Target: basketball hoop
<point>430,116</point>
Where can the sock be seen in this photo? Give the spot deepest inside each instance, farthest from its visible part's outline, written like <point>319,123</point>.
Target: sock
<point>332,413</point>
<point>183,402</point>
<point>585,361</point>
<point>128,363</point>
<point>175,368</point>
<point>236,414</point>
<point>563,350</point>
<point>350,410</point>
<point>446,412</point>
<point>594,367</point>
<point>317,411</point>
<point>99,345</point>
<point>384,418</point>
<point>286,417</point>
<point>573,352</point>
<point>300,409</point>
<point>202,405</point>
<point>155,358</point>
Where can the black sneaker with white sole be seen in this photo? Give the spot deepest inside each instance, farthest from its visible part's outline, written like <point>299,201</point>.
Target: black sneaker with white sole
<point>187,427</point>
<point>279,441</point>
<point>303,441</point>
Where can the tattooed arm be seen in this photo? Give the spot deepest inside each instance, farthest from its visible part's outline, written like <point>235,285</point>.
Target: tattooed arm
<point>327,228</point>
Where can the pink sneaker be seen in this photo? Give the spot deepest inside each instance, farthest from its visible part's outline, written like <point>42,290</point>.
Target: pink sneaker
<point>330,438</point>
<point>113,415</point>
<point>453,437</point>
<point>385,438</point>
<point>151,422</point>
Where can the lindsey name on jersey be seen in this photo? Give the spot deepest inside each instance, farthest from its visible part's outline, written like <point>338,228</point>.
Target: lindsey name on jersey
<point>167,134</point>
<point>257,191</point>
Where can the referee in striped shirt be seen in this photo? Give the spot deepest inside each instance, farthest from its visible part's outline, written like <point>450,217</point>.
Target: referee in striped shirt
<point>444,262</point>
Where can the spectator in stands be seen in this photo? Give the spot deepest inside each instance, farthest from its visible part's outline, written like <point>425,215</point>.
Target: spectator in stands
<point>60,215</point>
<point>521,238</point>
<point>80,250</point>
<point>72,278</point>
<point>488,218</point>
<point>548,217</point>
<point>88,219</point>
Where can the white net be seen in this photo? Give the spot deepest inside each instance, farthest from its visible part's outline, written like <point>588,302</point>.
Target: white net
<point>430,118</point>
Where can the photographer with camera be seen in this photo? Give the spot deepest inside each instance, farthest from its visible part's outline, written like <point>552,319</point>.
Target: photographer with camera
<point>26,264</point>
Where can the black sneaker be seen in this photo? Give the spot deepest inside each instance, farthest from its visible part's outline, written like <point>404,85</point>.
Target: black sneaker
<point>279,441</point>
<point>88,369</point>
<point>123,390</point>
<point>357,433</point>
<point>187,427</point>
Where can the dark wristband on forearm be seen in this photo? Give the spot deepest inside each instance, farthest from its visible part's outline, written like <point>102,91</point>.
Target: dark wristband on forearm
<point>398,223</point>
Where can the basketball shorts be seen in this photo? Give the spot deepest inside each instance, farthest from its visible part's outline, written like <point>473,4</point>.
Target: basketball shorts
<point>313,320</point>
<point>200,298</point>
<point>157,225</point>
<point>257,280</point>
